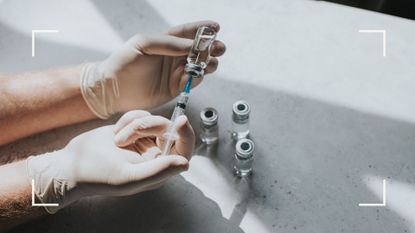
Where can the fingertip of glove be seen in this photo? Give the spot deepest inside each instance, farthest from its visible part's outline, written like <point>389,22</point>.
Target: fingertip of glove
<point>213,24</point>
<point>179,160</point>
<point>119,141</point>
<point>181,120</point>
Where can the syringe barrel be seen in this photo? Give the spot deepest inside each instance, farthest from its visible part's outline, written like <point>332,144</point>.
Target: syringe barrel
<point>178,111</point>
<point>171,133</point>
<point>180,105</point>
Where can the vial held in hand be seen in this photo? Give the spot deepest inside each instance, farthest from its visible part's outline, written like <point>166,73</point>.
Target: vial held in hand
<point>199,54</point>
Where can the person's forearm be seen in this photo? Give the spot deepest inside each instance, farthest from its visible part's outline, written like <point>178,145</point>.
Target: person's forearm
<point>37,101</point>
<point>15,196</point>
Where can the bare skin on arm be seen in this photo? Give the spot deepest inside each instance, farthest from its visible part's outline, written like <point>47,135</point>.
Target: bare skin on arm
<point>148,72</point>
<point>16,196</point>
<point>70,174</point>
<point>36,101</point>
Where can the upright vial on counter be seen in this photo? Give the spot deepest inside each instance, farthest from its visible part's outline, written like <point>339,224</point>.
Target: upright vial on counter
<point>240,119</point>
<point>209,133</point>
<point>244,157</point>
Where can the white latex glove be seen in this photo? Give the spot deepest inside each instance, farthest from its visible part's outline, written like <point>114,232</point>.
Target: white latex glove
<point>146,72</point>
<point>91,164</point>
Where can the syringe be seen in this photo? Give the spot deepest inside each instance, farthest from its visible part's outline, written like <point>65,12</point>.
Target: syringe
<point>171,134</point>
<point>196,63</point>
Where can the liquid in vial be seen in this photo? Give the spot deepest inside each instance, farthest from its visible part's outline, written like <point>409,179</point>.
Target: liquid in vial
<point>240,119</point>
<point>244,157</point>
<point>209,133</point>
<point>199,54</point>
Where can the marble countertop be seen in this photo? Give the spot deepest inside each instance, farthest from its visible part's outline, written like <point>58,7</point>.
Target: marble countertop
<point>331,116</point>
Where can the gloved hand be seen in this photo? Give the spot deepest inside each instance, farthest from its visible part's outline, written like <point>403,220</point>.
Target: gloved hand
<point>146,72</point>
<point>92,164</point>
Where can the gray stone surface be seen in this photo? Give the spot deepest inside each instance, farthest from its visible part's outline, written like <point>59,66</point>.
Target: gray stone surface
<point>331,117</point>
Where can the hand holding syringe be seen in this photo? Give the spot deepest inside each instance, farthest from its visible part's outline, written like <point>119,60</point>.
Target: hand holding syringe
<point>196,63</point>
<point>171,134</point>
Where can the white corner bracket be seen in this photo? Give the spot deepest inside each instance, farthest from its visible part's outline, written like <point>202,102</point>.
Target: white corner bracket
<point>383,37</point>
<point>39,204</point>
<point>34,34</point>
<point>377,204</point>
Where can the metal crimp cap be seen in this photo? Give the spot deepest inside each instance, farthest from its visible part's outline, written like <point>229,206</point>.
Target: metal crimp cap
<point>209,116</point>
<point>245,148</point>
<point>195,70</point>
<point>241,110</point>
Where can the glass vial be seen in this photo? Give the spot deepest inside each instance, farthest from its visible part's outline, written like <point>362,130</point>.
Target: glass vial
<point>199,54</point>
<point>244,157</point>
<point>240,119</point>
<point>209,133</point>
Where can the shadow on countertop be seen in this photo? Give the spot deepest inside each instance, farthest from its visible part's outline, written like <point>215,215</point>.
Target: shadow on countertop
<point>309,171</point>
<point>310,164</point>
